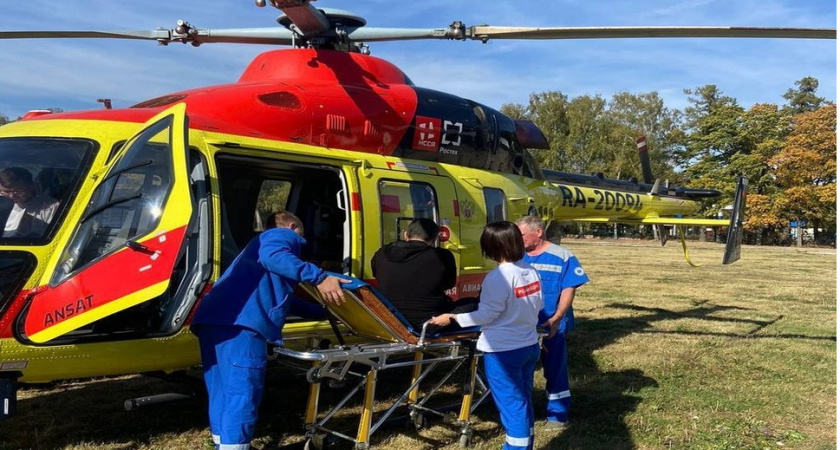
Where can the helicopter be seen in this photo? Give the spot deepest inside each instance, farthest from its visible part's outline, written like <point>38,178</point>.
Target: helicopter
<point>154,201</point>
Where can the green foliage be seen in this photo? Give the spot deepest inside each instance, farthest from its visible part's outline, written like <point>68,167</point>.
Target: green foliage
<point>806,169</point>
<point>786,151</point>
<point>273,197</point>
<point>804,98</point>
<point>590,134</point>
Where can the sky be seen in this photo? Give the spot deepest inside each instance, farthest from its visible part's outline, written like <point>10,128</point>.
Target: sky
<point>72,73</point>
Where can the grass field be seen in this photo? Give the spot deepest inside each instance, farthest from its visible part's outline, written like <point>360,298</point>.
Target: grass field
<point>665,356</point>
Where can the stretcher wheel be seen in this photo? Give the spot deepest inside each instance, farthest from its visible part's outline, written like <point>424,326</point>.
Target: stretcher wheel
<point>315,442</point>
<point>312,375</point>
<point>418,420</point>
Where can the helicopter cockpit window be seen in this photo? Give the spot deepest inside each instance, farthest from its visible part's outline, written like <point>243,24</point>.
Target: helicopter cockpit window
<point>38,177</point>
<point>127,204</point>
<point>401,202</point>
<point>494,201</point>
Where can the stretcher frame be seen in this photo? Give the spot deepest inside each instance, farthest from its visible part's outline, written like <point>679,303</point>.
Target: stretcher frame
<point>391,343</point>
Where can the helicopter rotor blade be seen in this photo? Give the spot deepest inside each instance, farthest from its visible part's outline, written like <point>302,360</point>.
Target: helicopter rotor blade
<point>458,31</point>
<point>144,35</point>
<point>373,34</point>
<point>184,33</point>
<point>195,36</point>
<point>485,33</point>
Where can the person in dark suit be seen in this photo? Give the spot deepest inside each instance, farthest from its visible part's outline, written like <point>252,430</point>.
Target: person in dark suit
<point>414,275</point>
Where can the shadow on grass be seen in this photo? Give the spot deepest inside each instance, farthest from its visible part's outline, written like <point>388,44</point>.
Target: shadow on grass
<point>601,400</point>
<point>91,413</point>
<point>702,313</point>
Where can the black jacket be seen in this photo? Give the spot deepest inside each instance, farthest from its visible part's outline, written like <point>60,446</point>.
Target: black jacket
<point>414,277</point>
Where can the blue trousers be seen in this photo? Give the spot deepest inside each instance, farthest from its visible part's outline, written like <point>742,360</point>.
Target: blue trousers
<point>234,362</point>
<point>555,362</point>
<point>510,375</point>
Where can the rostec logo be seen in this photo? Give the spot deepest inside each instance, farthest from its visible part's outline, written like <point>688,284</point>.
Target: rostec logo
<point>452,128</point>
<point>426,134</point>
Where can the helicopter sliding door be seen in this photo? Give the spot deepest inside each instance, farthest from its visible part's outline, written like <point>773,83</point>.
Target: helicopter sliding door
<point>125,248</point>
<point>253,188</point>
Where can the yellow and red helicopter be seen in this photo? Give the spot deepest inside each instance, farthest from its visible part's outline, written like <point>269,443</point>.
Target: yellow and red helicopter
<point>156,200</point>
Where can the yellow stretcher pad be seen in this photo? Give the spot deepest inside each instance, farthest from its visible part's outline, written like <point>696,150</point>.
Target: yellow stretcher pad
<point>367,313</point>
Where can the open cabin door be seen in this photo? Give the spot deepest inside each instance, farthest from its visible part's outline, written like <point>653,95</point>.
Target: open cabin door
<point>129,238</point>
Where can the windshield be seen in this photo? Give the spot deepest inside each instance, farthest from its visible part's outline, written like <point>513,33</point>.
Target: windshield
<point>38,177</point>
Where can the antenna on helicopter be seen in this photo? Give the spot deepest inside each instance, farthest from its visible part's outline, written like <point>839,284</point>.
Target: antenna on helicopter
<point>105,101</point>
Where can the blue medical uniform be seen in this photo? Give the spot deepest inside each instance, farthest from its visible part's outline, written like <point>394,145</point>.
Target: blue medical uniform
<point>559,269</point>
<point>510,375</point>
<point>246,308</point>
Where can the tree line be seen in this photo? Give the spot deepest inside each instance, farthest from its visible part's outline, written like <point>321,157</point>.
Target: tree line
<point>787,151</point>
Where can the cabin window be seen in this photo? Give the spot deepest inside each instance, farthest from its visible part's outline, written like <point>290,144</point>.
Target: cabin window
<point>127,203</point>
<point>494,201</point>
<point>273,196</point>
<point>38,178</point>
<point>400,202</point>
<point>114,150</point>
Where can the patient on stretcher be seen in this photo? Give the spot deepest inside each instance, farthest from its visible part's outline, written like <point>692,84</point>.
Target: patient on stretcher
<point>414,276</point>
<point>367,313</point>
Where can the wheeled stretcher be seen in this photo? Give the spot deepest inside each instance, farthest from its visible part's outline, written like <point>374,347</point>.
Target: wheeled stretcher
<point>389,342</point>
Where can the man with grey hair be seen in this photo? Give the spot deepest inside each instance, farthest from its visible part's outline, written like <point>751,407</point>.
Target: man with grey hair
<point>561,274</point>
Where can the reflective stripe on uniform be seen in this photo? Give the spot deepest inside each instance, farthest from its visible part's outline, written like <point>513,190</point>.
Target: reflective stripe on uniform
<point>216,439</point>
<point>519,442</point>
<point>234,446</point>
<point>559,395</point>
<point>548,267</point>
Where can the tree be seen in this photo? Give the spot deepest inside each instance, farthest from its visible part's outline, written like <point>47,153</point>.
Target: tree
<point>764,129</point>
<point>714,134</point>
<point>806,169</point>
<point>514,111</point>
<point>714,129</point>
<point>635,115</point>
<point>587,145</point>
<point>548,111</point>
<point>804,98</point>
<point>588,134</point>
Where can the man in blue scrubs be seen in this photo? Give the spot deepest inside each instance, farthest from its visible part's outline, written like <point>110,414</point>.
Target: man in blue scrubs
<point>245,309</point>
<point>560,274</point>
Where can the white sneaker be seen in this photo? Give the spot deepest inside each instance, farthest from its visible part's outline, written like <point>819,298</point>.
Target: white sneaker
<point>556,425</point>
